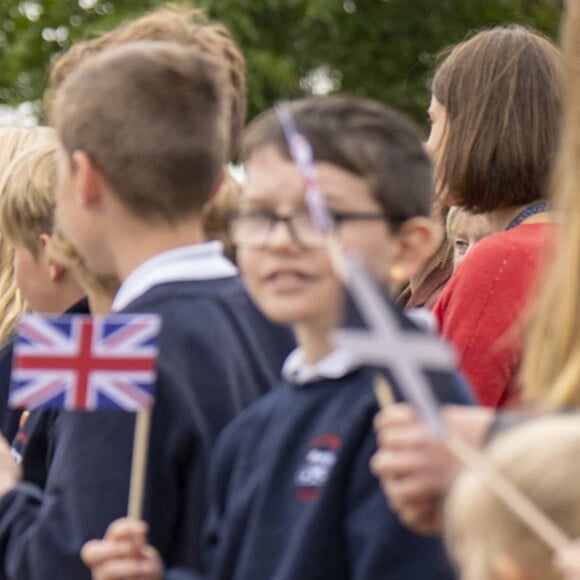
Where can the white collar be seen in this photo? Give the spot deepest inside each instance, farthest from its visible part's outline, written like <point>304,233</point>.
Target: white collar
<point>195,262</point>
<point>335,365</point>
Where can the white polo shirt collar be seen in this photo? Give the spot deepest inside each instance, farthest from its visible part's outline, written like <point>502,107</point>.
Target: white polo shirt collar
<point>195,262</point>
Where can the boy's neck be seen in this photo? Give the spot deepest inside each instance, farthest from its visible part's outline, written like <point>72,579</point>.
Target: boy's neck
<point>138,241</point>
<point>314,342</point>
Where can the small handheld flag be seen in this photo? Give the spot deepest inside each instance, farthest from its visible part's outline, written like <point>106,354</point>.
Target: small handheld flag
<point>81,363</point>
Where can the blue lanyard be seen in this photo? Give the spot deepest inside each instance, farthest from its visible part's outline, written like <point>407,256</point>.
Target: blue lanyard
<point>531,210</point>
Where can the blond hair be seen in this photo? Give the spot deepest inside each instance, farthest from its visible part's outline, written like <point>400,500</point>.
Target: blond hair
<point>459,216</point>
<point>27,200</point>
<point>452,221</point>
<point>151,116</point>
<point>551,364</point>
<point>541,459</point>
<point>14,140</point>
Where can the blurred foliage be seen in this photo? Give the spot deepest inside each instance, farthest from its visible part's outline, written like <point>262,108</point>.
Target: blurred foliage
<point>378,48</point>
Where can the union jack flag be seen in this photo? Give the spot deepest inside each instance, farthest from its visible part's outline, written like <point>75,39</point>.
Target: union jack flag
<point>84,363</point>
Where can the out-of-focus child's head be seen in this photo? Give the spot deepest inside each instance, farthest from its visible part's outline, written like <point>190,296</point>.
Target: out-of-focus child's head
<point>486,538</point>
<point>376,178</point>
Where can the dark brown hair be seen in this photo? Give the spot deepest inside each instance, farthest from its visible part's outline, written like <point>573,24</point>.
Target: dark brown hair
<point>502,93</point>
<point>364,137</point>
<point>170,23</point>
<point>151,117</point>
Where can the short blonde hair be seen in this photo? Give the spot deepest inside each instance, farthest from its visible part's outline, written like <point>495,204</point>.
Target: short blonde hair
<point>541,459</point>
<point>14,140</point>
<point>27,202</point>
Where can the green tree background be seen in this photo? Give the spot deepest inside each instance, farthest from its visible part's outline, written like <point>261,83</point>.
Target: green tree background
<point>378,48</point>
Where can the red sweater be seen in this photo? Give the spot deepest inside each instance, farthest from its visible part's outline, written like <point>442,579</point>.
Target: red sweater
<point>480,311</point>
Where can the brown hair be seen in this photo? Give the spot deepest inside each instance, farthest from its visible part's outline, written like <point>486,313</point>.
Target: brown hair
<point>169,23</point>
<point>151,117</point>
<point>27,200</point>
<point>364,137</point>
<point>501,92</point>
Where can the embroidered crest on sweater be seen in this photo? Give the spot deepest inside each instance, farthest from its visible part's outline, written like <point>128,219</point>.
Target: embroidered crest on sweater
<point>316,466</point>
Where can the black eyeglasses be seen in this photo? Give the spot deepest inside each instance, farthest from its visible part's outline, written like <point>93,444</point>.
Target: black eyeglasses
<point>251,229</point>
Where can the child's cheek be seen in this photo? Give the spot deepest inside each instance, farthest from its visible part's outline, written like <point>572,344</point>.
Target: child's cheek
<point>248,263</point>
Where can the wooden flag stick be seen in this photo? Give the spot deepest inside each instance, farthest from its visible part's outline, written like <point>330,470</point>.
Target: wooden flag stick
<point>504,489</point>
<point>139,463</point>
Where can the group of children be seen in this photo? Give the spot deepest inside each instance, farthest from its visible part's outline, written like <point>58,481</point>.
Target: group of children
<point>262,430</point>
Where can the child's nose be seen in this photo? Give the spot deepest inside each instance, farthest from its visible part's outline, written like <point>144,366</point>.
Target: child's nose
<point>282,235</point>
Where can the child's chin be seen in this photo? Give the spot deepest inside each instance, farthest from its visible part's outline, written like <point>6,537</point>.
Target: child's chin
<point>286,316</point>
<point>282,318</point>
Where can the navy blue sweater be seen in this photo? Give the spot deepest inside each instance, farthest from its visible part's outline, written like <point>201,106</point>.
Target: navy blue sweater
<point>217,354</point>
<point>292,497</point>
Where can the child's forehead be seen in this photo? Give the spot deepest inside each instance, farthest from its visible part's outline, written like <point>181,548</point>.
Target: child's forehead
<point>268,170</point>
<point>472,223</point>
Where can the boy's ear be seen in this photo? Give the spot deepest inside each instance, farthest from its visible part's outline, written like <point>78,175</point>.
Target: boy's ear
<point>89,178</point>
<point>417,240</point>
<point>506,568</point>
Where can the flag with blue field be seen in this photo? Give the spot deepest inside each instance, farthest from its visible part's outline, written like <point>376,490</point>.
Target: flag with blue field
<point>85,363</point>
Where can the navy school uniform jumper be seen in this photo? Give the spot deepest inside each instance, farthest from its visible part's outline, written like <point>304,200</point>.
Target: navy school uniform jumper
<point>292,497</point>
<point>217,353</point>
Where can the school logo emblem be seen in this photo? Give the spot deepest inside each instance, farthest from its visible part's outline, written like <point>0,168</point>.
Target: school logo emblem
<point>316,466</point>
